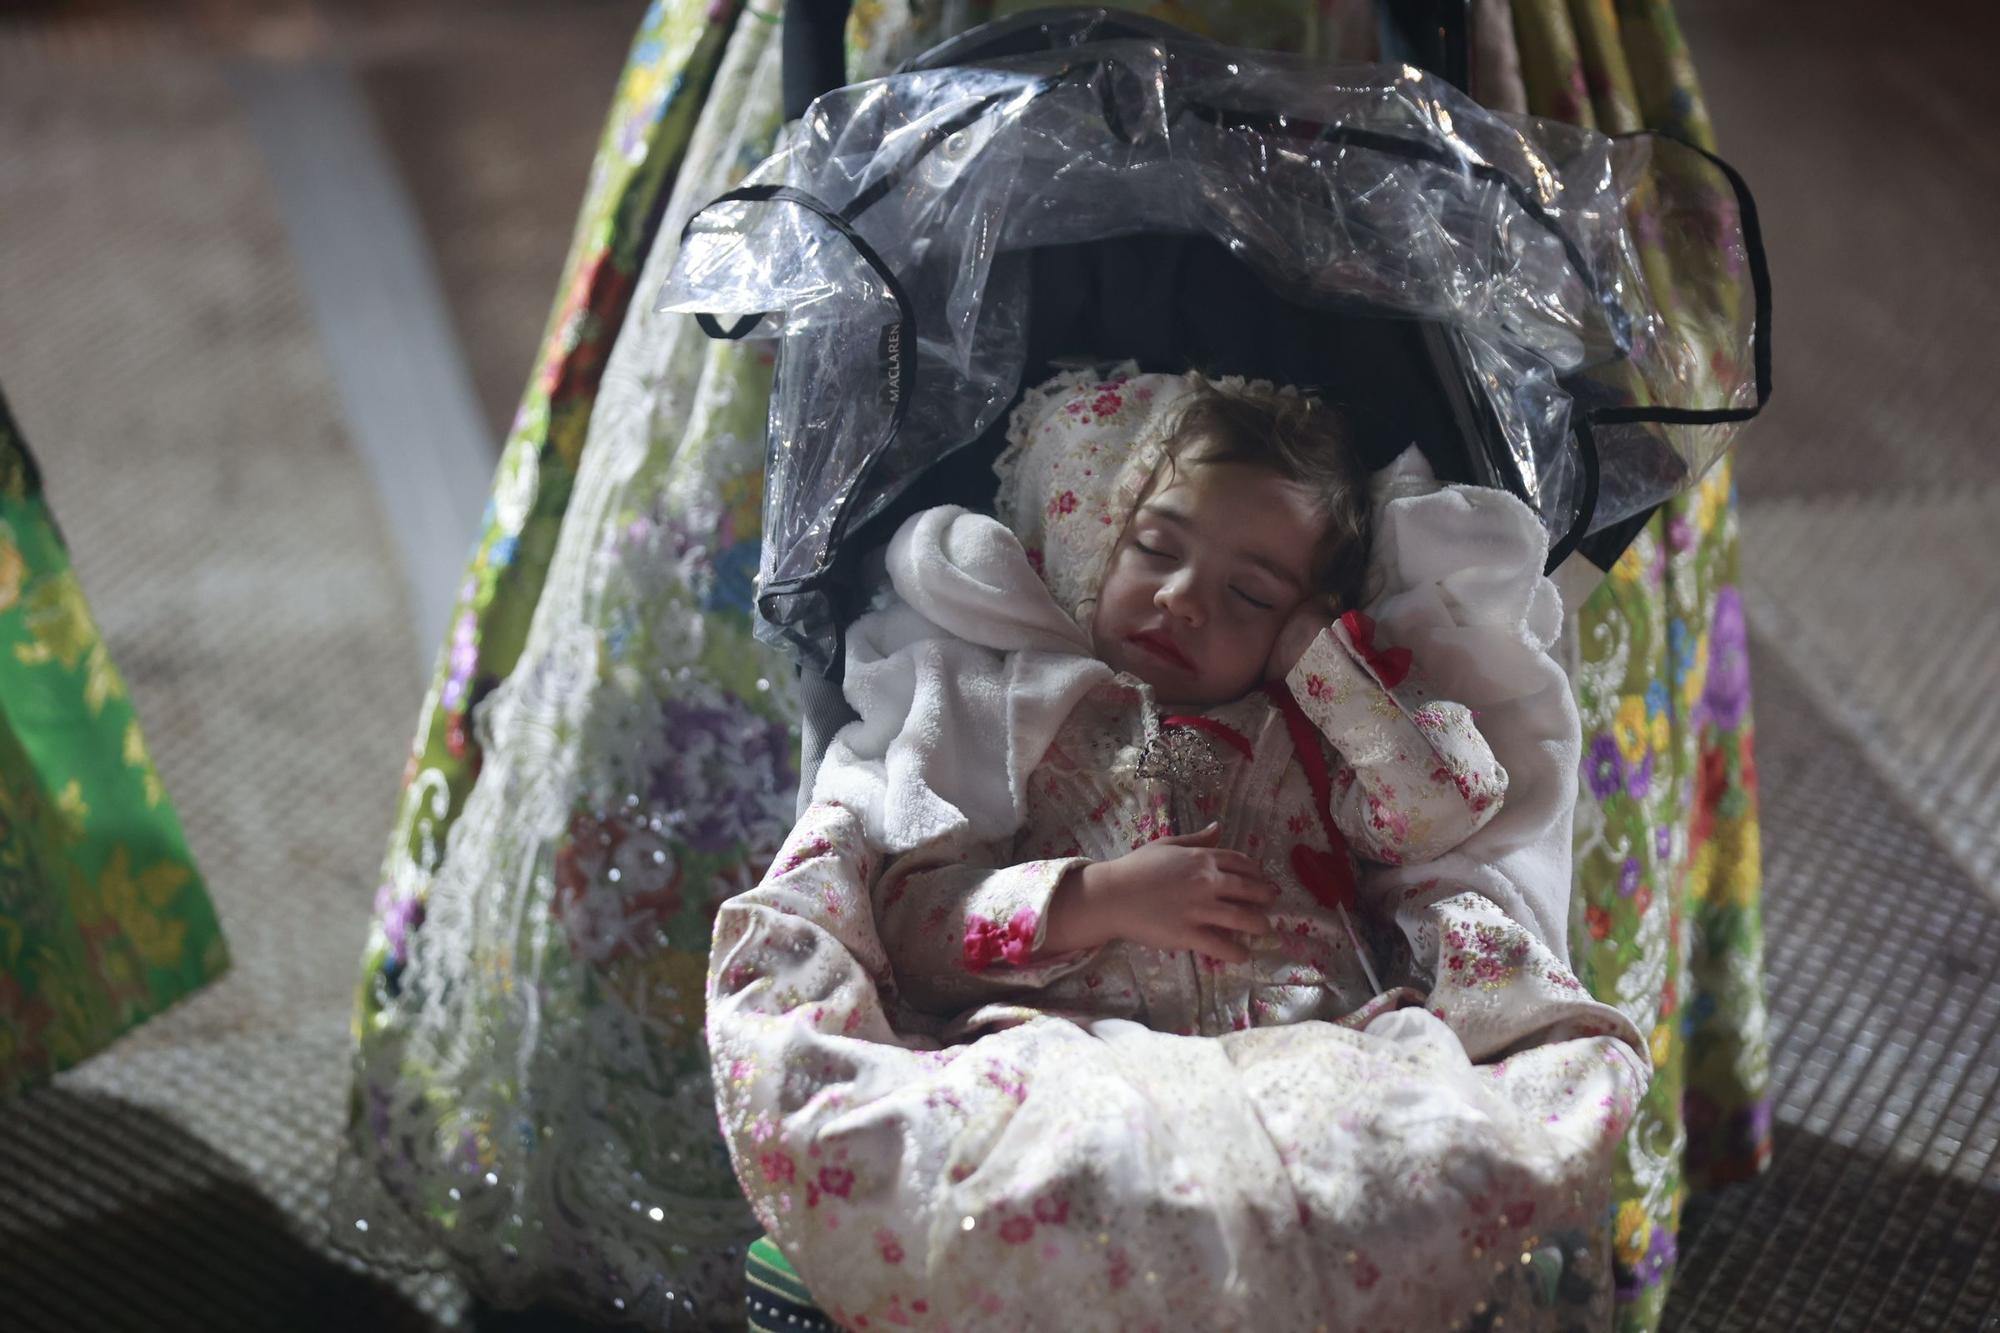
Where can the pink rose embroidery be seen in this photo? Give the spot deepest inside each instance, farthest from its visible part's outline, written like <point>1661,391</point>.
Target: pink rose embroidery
<point>988,942</point>
<point>1017,1230</point>
<point>816,848</point>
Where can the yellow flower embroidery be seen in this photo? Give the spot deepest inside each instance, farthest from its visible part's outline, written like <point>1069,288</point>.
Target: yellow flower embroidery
<point>1631,728</point>
<point>1633,1232</point>
<point>136,757</point>
<point>667,986</point>
<point>685,975</point>
<point>71,805</point>
<point>139,903</point>
<point>1714,495</point>
<point>1663,1044</point>
<point>13,567</point>
<point>1728,864</point>
<point>1701,871</point>
<point>60,621</point>
<point>1697,676</point>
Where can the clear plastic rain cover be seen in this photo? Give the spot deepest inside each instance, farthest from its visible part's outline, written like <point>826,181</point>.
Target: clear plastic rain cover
<point>1604,296</point>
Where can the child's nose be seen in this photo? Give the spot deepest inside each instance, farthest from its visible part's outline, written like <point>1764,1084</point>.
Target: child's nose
<point>1179,598</point>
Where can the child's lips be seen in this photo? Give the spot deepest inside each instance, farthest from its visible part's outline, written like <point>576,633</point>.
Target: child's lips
<point>1163,648</point>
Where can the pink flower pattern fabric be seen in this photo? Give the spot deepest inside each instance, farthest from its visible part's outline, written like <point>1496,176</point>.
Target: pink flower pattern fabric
<point>1081,449</point>
<point>1411,777</point>
<point>1141,1138</point>
<point>1131,1178</point>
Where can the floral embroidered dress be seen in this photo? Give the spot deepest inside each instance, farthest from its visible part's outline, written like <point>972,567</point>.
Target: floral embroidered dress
<point>1403,779</point>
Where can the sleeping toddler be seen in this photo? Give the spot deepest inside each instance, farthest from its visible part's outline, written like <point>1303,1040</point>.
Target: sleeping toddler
<point>1180,845</point>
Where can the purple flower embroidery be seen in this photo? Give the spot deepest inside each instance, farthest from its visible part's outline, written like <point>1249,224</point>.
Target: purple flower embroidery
<point>1605,768</point>
<point>463,658</point>
<point>1639,780</point>
<point>1726,695</point>
<point>399,917</point>
<point>728,778</point>
<point>1661,1251</point>
<point>1628,877</point>
<point>1752,1124</point>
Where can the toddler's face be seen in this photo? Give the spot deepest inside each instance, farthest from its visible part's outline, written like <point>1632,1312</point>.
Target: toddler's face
<point>1212,564</point>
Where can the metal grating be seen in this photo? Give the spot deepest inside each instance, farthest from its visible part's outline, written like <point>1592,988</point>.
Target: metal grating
<point>1881,1207</point>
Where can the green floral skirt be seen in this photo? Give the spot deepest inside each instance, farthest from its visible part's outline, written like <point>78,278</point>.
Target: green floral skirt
<point>103,920</point>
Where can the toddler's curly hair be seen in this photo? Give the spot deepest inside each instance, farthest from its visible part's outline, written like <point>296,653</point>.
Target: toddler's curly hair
<point>1301,439</point>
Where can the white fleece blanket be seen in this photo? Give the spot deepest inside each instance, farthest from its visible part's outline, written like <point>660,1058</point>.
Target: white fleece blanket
<point>1457,579</point>
<point>959,683</point>
<point>962,678</point>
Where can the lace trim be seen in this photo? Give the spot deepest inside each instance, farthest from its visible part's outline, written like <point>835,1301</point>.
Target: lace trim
<point>1036,403</point>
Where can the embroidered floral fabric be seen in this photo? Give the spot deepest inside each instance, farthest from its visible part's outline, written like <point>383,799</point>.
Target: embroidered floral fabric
<point>1080,450</point>
<point>1282,1177</point>
<point>103,918</point>
<point>533,1075</point>
<point>961,921</point>
<point>1668,871</point>
<point>604,757</point>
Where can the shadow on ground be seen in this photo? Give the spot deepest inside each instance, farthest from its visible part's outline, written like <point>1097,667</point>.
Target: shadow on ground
<point>118,1218</point>
<point>1838,1238</point>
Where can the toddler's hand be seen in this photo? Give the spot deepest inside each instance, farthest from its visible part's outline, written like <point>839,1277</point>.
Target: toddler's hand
<point>1182,892</point>
<point>1314,614</point>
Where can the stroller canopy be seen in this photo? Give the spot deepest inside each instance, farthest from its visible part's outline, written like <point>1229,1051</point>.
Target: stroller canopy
<point>910,244</point>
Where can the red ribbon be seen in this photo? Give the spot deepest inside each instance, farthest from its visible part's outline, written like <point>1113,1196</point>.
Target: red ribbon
<point>1328,875</point>
<point>1390,665</point>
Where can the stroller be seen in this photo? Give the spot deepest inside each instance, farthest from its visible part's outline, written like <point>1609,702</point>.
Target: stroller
<point>1073,186</point>
<point>531,1085</point>
<point>1459,283</point>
